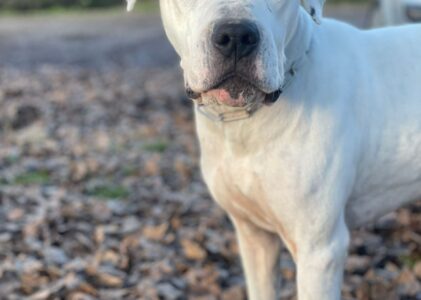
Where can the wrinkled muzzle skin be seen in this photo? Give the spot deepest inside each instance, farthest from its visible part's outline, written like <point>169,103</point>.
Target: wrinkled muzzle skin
<point>190,24</point>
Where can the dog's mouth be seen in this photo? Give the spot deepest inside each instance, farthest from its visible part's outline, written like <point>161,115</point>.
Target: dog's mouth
<point>234,92</point>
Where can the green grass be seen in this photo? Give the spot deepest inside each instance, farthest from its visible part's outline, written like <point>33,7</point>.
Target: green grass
<point>130,170</point>
<point>147,6</point>
<point>109,192</point>
<point>158,146</point>
<point>40,177</point>
<point>11,159</point>
<point>141,7</point>
<point>410,260</point>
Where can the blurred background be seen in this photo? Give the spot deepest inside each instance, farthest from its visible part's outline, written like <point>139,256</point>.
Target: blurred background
<point>100,192</point>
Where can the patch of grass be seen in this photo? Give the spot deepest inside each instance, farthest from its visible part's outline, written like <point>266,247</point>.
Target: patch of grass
<point>158,146</point>
<point>109,192</point>
<point>147,6</point>
<point>130,170</point>
<point>11,159</point>
<point>151,6</point>
<point>410,260</point>
<point>40,177</point>
<point>3,181</point>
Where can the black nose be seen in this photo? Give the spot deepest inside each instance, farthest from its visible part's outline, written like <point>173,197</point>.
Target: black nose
<point>236,37</point>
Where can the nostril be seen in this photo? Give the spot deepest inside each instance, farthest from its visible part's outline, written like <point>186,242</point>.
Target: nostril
<point>235,38</point>
<point>223,40</point>
<point>249,39</point>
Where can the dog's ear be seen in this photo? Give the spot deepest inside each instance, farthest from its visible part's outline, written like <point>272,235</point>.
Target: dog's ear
<point>130,4</point>
<point>314,8</point>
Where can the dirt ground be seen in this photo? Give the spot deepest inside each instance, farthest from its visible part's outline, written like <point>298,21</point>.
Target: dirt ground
<point>100,192</point>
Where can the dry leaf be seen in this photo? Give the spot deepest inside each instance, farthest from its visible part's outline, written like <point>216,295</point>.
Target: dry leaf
<point>193,250</point>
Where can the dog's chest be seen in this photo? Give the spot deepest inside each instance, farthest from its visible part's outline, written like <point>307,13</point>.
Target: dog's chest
<point>238,186</point>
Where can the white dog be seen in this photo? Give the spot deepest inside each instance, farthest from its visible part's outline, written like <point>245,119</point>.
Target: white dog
<point>308,127</point>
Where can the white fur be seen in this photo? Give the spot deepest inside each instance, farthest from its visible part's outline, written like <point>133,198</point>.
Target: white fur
<point>341,147</point>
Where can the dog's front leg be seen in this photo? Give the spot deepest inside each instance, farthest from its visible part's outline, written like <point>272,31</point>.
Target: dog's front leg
<point>259,251</point>
<point>320,261</point>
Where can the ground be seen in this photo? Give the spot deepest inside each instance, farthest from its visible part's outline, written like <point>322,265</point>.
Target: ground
<point>100,192</point>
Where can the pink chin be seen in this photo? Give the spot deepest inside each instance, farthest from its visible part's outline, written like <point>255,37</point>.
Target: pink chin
<point>223,97</point>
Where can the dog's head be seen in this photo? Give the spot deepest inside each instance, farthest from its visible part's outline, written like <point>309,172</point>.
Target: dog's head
<point>233,51</point>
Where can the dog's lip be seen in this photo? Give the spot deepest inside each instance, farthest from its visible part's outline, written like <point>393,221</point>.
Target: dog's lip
<point>273,97</point>
<point>270,97</point>
<point>197,94</point>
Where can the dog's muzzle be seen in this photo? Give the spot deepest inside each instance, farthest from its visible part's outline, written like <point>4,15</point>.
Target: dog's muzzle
<point>233,92</point>
<point>236,95</point>
<point>243,107</point>
<point>214,113</point>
